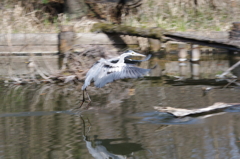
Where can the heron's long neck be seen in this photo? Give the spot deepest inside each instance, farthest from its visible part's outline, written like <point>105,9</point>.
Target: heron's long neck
<point>121,59</point>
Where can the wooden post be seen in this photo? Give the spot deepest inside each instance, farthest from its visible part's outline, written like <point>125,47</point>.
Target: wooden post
<point>195,68</point>
<point>66,42</point>
<point>182,58</point>
<point>195,53</point>
<point>182,54</point>
<point>155,45</point>
<point>183,69</point>
<point>195,57</point>
<point>234,34</point>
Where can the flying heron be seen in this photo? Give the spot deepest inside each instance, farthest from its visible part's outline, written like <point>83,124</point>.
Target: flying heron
<point>106,71</point>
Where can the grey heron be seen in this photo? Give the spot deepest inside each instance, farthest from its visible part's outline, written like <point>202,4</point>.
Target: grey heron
<point>106,71</point>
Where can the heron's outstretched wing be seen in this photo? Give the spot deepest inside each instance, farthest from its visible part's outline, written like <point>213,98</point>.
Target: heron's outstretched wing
<point>105,71</point>
<point>130,61</point>
<point>109,74</point>
<point>94,70</point>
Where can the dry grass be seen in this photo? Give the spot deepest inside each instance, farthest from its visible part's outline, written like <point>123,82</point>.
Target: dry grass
<point>186,16</point>
<point>175,15</point>
<point>17,20</point>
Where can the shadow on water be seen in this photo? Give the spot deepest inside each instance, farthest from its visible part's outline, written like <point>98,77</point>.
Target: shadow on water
<point>39,121</point>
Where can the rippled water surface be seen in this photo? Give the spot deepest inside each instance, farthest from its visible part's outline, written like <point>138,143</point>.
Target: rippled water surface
<point>44,121</point>
<point>39,121</point>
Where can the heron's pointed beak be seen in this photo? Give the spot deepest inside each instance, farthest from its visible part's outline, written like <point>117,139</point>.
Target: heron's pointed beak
<point>137,54</point>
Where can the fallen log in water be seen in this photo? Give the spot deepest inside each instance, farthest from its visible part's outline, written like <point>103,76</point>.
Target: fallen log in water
<point>164,35</point>
<point>179,112</point>
<point>155,33</point>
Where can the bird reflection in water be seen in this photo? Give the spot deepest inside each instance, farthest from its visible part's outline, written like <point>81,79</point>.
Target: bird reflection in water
<point>106,71</point>
<point>106,149</point>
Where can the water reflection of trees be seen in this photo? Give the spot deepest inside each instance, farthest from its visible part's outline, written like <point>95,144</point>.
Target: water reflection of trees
<point>53,135</point>
<point>50,136</point>
<point>60,135</point>
<point>48,95</point>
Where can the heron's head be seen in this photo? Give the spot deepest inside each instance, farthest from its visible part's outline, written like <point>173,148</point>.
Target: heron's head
<point>130,53</point>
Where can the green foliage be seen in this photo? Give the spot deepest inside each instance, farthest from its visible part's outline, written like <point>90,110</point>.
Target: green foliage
<point>44,1</point>
<point>46,21</point>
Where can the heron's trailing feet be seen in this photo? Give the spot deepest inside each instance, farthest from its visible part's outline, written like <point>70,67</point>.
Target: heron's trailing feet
<point>108,70</point>
<point>83,100</point>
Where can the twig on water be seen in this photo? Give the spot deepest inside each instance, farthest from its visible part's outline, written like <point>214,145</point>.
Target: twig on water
<point>223,75</point>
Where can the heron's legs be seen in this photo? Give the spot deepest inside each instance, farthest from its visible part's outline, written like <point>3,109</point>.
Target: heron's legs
<point>83,100</point>
<point>88,99</point>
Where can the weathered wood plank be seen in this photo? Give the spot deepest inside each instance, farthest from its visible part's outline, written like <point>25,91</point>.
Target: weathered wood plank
<point>81,38</point>
<point>30,39</point>
<point>178,112</point>
<point>29,49</point>
<point>48,64</point>
<point>48,43</point>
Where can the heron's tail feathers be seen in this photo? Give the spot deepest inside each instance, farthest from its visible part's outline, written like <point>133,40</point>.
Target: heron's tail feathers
<point>86,82</point>
<point>84,86</point>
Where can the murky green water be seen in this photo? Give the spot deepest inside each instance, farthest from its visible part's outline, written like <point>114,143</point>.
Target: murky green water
<point>43,122</point>
<point>37,121</point>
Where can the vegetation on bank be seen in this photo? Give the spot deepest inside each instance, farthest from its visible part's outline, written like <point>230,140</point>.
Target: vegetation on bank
<point>19,18</point>
<point>185,15</point>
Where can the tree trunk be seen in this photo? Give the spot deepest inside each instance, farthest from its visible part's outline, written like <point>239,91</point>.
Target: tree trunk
<point>75,8</point>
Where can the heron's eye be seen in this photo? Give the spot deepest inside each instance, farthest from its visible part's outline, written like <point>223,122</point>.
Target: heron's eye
<point>132,53</point>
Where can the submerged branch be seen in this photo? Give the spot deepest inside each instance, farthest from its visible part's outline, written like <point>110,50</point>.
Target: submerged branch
<point>178,112</point>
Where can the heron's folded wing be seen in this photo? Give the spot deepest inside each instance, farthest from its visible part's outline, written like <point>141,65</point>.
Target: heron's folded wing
<point>130,61</point>
<point>109,74</point>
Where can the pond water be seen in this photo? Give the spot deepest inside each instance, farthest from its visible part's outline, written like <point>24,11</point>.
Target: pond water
<point>43,121</point>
